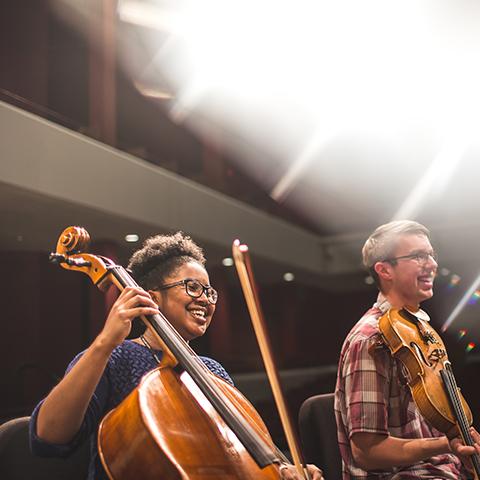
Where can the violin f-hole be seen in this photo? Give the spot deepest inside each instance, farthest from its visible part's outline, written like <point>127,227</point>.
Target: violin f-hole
<point>420,354</point>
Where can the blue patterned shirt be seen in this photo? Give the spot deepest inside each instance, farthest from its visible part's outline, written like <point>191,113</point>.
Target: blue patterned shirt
<point>128,363</point>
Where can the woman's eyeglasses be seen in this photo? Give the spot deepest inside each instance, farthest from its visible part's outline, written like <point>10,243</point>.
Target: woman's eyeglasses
<point>194,289</point>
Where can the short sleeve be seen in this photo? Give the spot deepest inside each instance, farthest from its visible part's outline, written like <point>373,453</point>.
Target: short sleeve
<point>366,388</point>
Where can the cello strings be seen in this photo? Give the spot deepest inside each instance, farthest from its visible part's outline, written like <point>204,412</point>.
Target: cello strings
<point>161,323</point>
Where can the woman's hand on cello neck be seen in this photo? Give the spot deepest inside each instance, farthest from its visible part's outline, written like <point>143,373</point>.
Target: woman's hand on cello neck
<point>132,302</point>
<point>289,472</point>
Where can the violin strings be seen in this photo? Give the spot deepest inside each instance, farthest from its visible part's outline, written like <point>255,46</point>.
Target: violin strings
<point>450,385</point>
<point>475,459</point>
<point>452,390</point>
<point>458,402</point>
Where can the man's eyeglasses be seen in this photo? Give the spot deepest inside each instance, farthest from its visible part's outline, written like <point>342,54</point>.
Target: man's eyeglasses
<point>420,257</point>
<point>194,289</point>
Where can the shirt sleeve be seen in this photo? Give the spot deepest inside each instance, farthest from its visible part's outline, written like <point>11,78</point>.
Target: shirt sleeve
<point>217,369</point>
<point>366,373</point>
<point>93,415</point>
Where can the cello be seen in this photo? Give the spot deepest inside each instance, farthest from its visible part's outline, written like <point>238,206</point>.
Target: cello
<point>430,375</point>
<point>181,421</point>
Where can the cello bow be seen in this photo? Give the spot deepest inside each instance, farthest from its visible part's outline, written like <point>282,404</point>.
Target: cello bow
<point>245,273</point>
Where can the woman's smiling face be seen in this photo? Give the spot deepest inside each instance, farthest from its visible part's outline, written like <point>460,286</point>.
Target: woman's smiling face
<point>189,316</point>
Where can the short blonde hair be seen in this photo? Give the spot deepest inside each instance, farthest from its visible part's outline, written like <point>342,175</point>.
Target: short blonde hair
<point>381,244</point>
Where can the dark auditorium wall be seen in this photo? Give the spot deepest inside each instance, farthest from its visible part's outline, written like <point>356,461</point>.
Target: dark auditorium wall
<point>44,322</point>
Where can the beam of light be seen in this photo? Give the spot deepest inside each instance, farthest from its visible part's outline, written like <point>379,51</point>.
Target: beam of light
<point>461,304</point>
<point>319,56</point>
<point>474,298</point>
<point>148,15</point>
<point>435,179</point>
<point>285,185</point>
<point>153,92</point>
<point>269,73</point>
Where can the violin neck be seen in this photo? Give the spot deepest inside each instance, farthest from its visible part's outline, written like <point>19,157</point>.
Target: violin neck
<point>457,407</point>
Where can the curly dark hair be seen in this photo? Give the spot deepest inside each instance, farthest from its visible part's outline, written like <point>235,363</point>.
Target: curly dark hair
<point>160,256</point>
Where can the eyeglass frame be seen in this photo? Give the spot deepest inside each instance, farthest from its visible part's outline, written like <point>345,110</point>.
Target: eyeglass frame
<point>205,289</point>
<point>420,257</point>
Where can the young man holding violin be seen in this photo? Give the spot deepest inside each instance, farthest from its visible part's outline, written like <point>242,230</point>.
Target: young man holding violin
<point>381,433</point>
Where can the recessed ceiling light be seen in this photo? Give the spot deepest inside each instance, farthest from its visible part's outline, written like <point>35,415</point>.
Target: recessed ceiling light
<point>131,238</point>
<point>369,280</point>
<point>289,277</point>
<point>227,262</point>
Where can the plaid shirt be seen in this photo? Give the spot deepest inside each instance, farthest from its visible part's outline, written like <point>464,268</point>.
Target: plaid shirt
<point>372,396</point>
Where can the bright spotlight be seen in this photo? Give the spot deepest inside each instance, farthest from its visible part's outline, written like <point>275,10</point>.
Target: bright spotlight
<point>131,238</point>
<point>289,277</point>
<point>227,262</point>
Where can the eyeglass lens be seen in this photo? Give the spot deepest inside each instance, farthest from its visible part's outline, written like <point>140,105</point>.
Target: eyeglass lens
<point>196,289</point>
<point>424,257</point>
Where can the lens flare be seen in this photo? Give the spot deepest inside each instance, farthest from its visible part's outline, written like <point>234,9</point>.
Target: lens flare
<point>470,347</point>
<point>454,281</point>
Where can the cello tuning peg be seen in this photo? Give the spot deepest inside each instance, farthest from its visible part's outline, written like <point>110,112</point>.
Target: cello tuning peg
<point>57,258</point>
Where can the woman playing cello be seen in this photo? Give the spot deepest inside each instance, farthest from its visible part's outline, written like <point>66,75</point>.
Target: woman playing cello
<point>171,270</point>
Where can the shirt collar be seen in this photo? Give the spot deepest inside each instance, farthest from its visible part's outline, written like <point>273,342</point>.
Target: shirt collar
<point>384,305</point>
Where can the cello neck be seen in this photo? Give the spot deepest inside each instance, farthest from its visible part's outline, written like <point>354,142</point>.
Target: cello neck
<point>258,448</point>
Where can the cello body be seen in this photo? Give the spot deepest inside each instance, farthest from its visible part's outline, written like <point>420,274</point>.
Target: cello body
<point>167,429</point>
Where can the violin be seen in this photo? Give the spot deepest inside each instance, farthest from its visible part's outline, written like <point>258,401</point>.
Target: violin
<point>430,375</point>
<point>181,422</point>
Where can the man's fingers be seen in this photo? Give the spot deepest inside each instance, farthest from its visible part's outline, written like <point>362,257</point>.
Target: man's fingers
<point>315,472</point>
<point>475,435</point>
